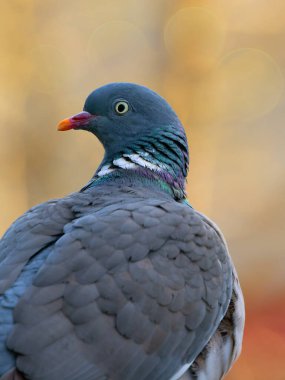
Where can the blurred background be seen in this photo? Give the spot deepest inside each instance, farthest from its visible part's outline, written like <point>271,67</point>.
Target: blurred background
<point>221,65</point>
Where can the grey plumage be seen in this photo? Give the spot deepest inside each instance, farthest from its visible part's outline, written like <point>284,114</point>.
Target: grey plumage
<point>118,281</point>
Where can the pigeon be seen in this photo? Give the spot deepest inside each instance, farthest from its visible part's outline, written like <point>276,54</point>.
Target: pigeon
<point>124,279</point>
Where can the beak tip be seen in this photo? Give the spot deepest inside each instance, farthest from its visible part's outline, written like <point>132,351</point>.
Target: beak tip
<point>65,125</point>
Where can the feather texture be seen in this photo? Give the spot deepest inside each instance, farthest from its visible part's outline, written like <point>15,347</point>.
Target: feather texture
<point>126,279</point>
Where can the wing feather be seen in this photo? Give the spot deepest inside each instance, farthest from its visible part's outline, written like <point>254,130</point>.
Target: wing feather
<point>132,290</point>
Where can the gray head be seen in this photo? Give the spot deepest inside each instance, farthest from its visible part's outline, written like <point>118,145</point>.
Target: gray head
<point>135,126</point>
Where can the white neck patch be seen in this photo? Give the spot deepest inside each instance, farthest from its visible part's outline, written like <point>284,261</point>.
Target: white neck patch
<point>134,161</point>
<point>137,159</point>
<point>105,170</point>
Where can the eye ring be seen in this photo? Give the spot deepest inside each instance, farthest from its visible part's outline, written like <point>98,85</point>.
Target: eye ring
<point>121,107</point>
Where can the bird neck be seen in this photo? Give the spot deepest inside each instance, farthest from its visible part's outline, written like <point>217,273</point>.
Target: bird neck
<point>161,160</point>
<point>137,178</point>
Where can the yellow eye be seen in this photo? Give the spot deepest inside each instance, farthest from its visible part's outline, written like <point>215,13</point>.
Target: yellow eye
<point>121,107</point>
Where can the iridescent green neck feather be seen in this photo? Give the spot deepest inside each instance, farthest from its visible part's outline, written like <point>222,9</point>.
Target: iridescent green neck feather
<point>159,160</point>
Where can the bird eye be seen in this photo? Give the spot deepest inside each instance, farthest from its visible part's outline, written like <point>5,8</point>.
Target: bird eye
<point>121,107</point>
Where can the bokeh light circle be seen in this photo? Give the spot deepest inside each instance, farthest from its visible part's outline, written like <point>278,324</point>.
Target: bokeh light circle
<point>251,84</point>
<point>194,37</point>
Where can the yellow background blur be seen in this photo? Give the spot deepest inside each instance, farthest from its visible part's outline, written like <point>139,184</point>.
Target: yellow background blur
<point>221,65</point>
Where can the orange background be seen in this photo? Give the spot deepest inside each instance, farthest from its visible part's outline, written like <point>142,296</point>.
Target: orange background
<point>220,64</point>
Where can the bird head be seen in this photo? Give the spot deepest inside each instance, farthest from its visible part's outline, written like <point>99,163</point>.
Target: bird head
<point>136,126</point>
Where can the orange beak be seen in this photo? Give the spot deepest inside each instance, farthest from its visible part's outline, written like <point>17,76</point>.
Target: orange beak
<point>78,121</point>
<point>65,125</point>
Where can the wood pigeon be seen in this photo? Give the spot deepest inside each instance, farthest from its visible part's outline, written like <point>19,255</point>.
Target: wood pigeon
<point>122,280</point>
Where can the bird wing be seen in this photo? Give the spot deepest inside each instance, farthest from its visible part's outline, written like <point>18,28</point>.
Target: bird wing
<point>129,291</point>
<point>28,235</point>
<point>22,250</point>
